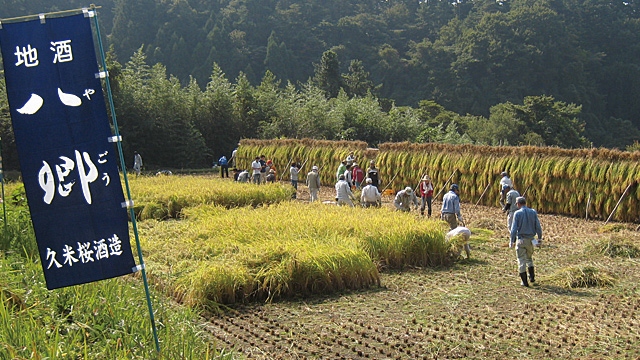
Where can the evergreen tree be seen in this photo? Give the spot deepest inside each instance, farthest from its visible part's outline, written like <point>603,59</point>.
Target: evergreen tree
<point>327,75</point>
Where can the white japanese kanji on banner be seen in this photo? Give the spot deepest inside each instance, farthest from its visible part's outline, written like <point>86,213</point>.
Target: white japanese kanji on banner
<point>68,165</point>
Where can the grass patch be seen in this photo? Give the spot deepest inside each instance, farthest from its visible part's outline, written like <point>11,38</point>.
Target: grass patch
<point>612,228</point>
<point>479,236</point>
<point>225,256</point>
<point>615,245</point>
<point>491,224</point>
<point>582,276</point>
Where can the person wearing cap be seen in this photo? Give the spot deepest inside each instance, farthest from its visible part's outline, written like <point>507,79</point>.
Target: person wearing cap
<point>271,178</point>
<point>464,234</point>
<point>313,183</point>
<point>525,227</point>
<point>404,199</point>
<point>504,182</point>
<point>271,167</point>
<point>510,206</point>
<point>293,171</point>
<point>256,167</point>
<point>343,192</point>
<point>357,175</point>
<point>451,207</point>
<point>351,158</point>
<point>426,193</point>
<point>370,195</point>
<point>372,173</point>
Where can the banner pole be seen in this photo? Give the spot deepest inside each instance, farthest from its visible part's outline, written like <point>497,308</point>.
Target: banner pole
<point>126,181</point>
<point>4,206</point>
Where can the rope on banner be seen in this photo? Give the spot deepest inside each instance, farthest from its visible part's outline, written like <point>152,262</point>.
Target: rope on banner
<point>87,12</point>
<point>118,141</point>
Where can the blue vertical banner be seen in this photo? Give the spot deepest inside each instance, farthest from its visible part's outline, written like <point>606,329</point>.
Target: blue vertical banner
<point>68,162</point>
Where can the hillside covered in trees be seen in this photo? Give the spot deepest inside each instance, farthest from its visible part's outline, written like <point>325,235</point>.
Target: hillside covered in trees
<point>548,72</point>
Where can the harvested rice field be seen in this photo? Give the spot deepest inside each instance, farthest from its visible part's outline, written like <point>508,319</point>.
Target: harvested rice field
<point>585,304</point>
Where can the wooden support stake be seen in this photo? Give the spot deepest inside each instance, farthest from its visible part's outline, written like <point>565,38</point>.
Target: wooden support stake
<point>285,170</point>
<point>586,217</point>
<point>390,182</point>
<point>445,184</point>
<point>485,190</point>
<point>525,191</point>
<point>619,201</point>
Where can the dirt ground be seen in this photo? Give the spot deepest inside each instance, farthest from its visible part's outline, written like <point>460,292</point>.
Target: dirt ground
<point>474,309</point>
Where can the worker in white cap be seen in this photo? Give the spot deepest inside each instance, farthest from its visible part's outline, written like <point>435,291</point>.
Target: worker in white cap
<point>404,199</point>
<point>370,195</point>
<point>313,183</point>
<point>459,237</point>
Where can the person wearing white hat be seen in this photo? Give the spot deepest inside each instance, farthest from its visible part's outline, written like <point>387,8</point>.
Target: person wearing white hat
<point>404,199</point>
<point>370,195</point>
<point>313,183</point>
<point>426,193</point>
<point>504,182</point>
<point>463,234</point>
<point>343,192</point>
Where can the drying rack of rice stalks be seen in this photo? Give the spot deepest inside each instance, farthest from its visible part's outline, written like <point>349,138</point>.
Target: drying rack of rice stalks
<point>570,182</point>
<point>327,155</point>
<point>596,183</point>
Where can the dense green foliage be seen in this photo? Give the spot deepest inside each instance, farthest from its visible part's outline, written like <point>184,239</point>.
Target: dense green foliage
<point>515,72</point>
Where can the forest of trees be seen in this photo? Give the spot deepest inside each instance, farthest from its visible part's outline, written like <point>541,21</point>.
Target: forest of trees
<point>549,72</point>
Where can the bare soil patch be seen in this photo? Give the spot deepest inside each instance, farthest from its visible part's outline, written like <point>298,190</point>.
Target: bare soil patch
<point>475,309</point>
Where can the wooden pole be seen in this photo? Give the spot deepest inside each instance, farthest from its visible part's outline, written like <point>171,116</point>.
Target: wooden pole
<point>284,171</point>
<point>445,184</point>
<point>586,216</point>
<point>390,182</point>
<point>481,196</point>
<point>525,191</point>
<point>619,201</point>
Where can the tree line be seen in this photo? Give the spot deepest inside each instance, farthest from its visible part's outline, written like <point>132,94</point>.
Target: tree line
<point>547,72</point>
<point>182,126</point>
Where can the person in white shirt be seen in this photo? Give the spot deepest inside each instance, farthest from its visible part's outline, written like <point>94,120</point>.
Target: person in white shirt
<point>313,182</point>
<point>343,193</point>
<point>465,234</point>
<point>370,195</point>
<point>256,167</point>
<point>504,182</point>
<point>137,162</point>
<point>293,171</point>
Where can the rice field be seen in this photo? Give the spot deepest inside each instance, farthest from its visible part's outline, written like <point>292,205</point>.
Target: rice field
<point>219,256</point>
<point>584,305</point>
<point>161,197</point>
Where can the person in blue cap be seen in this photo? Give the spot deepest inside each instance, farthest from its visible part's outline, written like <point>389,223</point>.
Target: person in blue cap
<point>450,211</point>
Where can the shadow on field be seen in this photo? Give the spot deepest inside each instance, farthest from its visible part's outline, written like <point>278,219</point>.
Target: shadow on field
<point>557,290</point>
<point>470,262</point>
